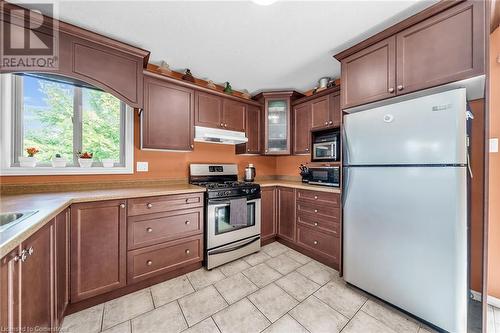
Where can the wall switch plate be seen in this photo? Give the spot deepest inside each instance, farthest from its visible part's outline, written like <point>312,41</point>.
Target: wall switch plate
<point>142,166</point>
<point>493,145</point>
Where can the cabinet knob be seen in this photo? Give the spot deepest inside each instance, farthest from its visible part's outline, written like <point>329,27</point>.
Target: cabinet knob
<point>326,122</point>
<point>391,90</point>
<point>149,205</point>
<point>400,87</point>
<point>221,124</point>
<point>187,251</point>
<point>307,149</point>
<point>315,242</point>
<point>149,229</point>
<point>225,125</point>
<point>192,146</point>
<point>149,262</point>
<point>267,150</point>
<point>315,197</point>
<point>315,224</point>
<point>315,210</point>
<point>187,200</point>
<point>122,205</point>
<point>187,222</point>
<point>330,122</point>
<point>31,250</point>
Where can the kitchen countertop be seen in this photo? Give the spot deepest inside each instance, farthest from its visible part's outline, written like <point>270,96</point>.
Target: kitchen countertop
<point>298,185</point>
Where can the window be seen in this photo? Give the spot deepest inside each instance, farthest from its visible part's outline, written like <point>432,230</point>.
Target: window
<point>59,115</point>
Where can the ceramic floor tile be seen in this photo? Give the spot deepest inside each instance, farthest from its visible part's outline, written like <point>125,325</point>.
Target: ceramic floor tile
<point>88,320</point>
<point>235,287</point>
<point>362,323</point>
<point>261,275</point>
<point>283,264</point>
<point>205,326</point>
<point>318,272</point>
<point>342,298</point>
<point>234,267</point>
<point>297,285</point>
<point>242,316</point>
<point>120,328</point>
<point>127,307</point>
<point>285,324</point>
<point>275,249</point>
<point>257,258</point>
<point>390,317</point>
<point>201,304</point>
<point>317,317</point>
<point>298,257</point>
<point>171,290</point>
<point>272,301</point>
<point>167,318</point>
<point>203,277</point>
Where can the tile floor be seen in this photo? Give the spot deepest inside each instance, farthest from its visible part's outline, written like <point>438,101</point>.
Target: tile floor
<point>275,290</point>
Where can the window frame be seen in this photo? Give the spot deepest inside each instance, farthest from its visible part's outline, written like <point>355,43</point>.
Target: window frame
<point>11,137</point>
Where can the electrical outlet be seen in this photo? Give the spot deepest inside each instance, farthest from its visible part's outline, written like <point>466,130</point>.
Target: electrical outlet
<point>493,145</point>
<point>142,166</point>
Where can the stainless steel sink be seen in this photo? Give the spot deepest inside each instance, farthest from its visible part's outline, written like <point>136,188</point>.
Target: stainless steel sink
<point>8,220</point>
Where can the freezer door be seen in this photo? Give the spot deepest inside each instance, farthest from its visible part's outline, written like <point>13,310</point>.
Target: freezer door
<point>426,130</point>
<point>405,239</point>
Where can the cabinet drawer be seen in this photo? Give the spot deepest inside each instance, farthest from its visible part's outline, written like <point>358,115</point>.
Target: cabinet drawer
<point>158,259</point>
<point>319,197</point>
<point>165,203</point>
<point>326,212</point>
<point>318,242</point>
<point>156,228</point>
<point>315,223</point>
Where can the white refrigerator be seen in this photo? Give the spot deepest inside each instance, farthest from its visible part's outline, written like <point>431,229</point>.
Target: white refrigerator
<point>405,206</point>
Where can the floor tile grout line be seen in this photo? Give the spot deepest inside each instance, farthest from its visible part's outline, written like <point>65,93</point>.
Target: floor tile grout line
<point>216,325</point>
<point>369,314</point>
<point>152,298</point>
<point>262,313</point>
<point>182,312</point>
<point>102,316</point>
<point>349,319</point>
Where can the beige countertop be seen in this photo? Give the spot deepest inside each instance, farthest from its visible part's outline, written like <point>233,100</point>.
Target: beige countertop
<point>299,185</point>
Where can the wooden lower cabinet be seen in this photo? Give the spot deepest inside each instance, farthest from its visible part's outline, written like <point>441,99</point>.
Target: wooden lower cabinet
<point>286,213</point>
<point>98,248</point>
<point>268,214</point>
<point>61,269</point>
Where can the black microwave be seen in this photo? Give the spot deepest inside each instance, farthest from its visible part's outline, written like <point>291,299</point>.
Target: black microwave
<point>327,176</point>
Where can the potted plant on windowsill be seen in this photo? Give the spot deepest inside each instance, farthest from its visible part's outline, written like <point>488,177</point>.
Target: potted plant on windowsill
<point>58,161</point>
<point>108,162</point>
<point>85,159</point>
<point>30,160</point>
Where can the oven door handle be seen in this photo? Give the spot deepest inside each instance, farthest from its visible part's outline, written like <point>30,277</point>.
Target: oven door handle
<point>236,247</point>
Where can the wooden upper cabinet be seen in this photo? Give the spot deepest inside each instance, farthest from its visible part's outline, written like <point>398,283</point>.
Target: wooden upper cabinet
<point>335,110</point>
<point>444,48</point>
<point>253,129</point>
<point>286,213</point>
<point>370,74</point>
<point>208,110</point>
<point>167,118</point>
<point>98,248</point>
<point>302,128</point>
<point>320,109</point>
<point>233,115</point>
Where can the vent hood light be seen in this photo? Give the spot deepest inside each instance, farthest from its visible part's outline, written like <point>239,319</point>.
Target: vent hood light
<point>215,135</point>
<point>264,2</point>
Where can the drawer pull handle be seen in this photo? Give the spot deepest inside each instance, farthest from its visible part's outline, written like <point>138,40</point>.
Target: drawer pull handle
<point>315,197</point>
<point>315,210</point>
<point>315,242</point>
<point>315,224</point>
<point>149,262</point>
<point>187,251</point>
<point>149,205</point>
<point>187,200</point>
<point>187,222</point>
<point>149,229</point>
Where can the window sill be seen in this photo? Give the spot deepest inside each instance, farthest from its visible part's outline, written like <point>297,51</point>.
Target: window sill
<point>46,171</point>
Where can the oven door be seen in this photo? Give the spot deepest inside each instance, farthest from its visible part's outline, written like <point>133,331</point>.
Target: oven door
<point>221,232</point>
<point>325,151</point>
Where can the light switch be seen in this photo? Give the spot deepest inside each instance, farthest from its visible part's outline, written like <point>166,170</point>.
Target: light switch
<point>142,166</point>
<point>493,145</point>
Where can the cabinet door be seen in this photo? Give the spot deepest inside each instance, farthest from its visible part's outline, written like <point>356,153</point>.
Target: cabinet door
<point>37,271</point>
<point>335,111</point>
<point>320,109</point>
<point>9,292</point>
<point>444,48</point>
<point>370,74</point>
<point>167,119</point>
<point>277,126</point>
<point>302,128</point>
<point>286,213</point>
<point>268,213</point>
<point>98,248</point>
<point>253,132</point>
<point>233,115</point>
<point>208,110</point>
<point>61,264</point>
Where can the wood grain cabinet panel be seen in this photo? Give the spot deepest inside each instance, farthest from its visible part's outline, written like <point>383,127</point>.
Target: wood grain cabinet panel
<point>253,131</point>
<point>319,197</point>
<point>335,110</point>
<point>268,213</point>
<point>444,48</point>
<point>208,110</point>
<point>164,203</point>
<point>319,242</point>
<point>370,74</point>
<point>98,248</point>
<point>9,291</point>
<point>286,213</point>
<point>167,118</point>
<point>61,269</point>
<point>320,109</point>
<point>302,128</point>
<point>233,115</point>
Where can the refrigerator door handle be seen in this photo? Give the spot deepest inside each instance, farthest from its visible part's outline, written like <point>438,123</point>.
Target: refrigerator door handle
<point>345,145</point>
<point>345,185</point>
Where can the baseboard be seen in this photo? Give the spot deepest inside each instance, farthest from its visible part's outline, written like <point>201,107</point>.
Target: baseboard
<point>477,296</point>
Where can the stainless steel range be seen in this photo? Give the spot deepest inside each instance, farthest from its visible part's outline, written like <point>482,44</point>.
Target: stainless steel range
<point>232,213</point>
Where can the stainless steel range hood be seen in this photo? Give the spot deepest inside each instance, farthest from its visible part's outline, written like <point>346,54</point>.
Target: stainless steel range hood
<point>215,135</point>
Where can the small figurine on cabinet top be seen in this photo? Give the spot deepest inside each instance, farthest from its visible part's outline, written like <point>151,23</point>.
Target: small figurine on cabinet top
<point>228,89</point>
<point>188,76</point>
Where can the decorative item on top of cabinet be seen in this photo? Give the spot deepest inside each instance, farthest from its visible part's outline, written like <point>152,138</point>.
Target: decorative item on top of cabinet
<point>188,76</point>
<point>228,89</point>
<point>211,84</point>
<point>164,68</point>
<point>398,60</point>
<point>268,214</point>
<point>276,121</point>
<point>167,119</point>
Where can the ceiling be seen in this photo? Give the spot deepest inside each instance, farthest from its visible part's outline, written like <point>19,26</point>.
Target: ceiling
<point>284,45</point>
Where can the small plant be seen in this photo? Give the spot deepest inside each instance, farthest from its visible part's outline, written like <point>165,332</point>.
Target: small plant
<point>32,151</point>
<point>85,155</point>
<point>58,155</point>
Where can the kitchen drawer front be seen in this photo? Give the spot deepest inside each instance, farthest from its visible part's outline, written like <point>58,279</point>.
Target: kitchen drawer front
<point>319,224</point>
<point>157,228</point>
<point>158,259</point>
<point>325,212</point>
<point>319,197</point>
<point>318,242</point>
<point>165,203</point>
